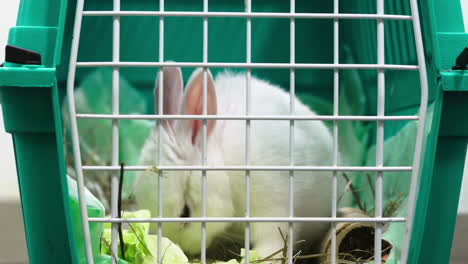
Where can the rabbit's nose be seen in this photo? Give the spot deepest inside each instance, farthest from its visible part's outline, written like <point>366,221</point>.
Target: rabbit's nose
<point>185,211</point>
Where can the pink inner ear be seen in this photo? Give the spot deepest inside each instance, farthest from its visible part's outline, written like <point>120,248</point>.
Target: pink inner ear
<point>193,104</point>
<point>196,126</point>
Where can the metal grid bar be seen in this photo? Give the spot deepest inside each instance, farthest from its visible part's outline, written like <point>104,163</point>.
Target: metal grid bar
<point>115,126</point>
<point>247,15</point>
<point>336,66</point>
<point>160,112</point>
<point>253,168</point>
<point>204,130</point>
<point>249,65</point>
<point>336,94</point>
<point>248,219</point>
<point>248,59</point>
<point>74,130</point>
<point>421,127</point>
<point>380,132</point>
<point>248,117</point>
<point>292,96</point>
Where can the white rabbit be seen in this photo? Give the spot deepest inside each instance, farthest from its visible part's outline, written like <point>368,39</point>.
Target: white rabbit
<point>269,145</point>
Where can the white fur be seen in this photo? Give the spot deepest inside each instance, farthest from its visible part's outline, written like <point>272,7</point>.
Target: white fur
<point>269,145</point>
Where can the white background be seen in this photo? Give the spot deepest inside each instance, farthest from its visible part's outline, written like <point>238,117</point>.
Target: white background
<point>8,183</point>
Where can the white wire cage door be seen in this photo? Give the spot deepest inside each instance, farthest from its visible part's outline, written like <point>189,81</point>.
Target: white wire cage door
<point>380,17</point>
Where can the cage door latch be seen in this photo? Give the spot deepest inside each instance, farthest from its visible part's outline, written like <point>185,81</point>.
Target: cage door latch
<point>21,56</point>
<point>461,62</point>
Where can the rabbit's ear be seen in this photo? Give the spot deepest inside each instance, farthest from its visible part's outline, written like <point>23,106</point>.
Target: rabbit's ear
<point>172,92</point>
<point>193,103</point>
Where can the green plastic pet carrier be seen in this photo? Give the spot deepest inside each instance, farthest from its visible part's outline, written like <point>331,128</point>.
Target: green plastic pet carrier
<point>388,77</point>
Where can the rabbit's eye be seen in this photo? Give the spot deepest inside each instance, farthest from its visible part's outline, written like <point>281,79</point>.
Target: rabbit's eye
<point>185,211</point>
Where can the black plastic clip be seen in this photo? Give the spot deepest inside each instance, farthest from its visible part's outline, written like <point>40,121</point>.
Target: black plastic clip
<point>462,60</point>
<point>21,56</point>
